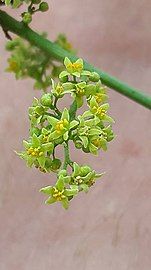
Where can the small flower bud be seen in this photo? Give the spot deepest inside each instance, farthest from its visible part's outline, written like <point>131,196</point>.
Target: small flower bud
<point>27,17</point>
<point>94,77</point>
<point>78,145</point>
<point>55,164</point>
<point>46,100</point>
<point>43,6</point>
<point>12,44</point>
<point>64,79</point>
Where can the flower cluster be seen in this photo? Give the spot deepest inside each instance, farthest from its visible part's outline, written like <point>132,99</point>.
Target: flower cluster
<point>68,186</point>
<point>50,127</point>
<point>24,63</point>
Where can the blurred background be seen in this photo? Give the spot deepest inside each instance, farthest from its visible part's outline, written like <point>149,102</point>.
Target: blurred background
<point>109,228</point>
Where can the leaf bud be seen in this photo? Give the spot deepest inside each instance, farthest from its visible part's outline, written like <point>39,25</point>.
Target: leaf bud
<point>27,17</point>
<point>94,77</point>
<point>46,100</point>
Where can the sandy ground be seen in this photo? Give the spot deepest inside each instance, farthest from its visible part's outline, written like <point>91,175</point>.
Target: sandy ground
<point>108,229</point>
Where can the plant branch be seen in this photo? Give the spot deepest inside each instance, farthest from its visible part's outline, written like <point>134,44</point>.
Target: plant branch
<point>67,160</point>
<point>56,52</point>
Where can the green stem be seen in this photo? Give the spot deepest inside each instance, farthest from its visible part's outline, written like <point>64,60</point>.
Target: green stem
<point>10,24</point>
<point>73,110</point>
<point>67,160</point>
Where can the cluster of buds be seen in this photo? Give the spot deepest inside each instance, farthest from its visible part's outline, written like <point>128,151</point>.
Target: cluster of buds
<point>68,186</point>
<point>33,7</point>
<point>24,63</point>
<point>50,127</point>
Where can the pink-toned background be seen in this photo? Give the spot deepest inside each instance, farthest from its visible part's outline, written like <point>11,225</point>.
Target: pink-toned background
<point>110,228</point>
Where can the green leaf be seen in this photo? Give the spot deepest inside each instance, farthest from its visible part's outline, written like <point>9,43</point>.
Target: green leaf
<point>16,3</point>
<point>93,103</point>
<point>47,190</point>
<point>90,90</point>
<point>108,119</point>
<point>62,173</point>
<point>68,86</point>
<point>79,101</point>
<point>94,131</point>
<point>30,161</point>
<point>63,74</point>
<point>60,184</point>
<point>77,74</point>
<point>52,120</point>
<point>66,136</point>
<point>65,114</point>
<point>76,169</point>
<point>85,170</point>
<point>80,62</point>
<point>66,179</point>
<point>84,140</point>
<point>85,73</point>
<point>65,203</point>
<point>26,144</point>
<point>82,130</point>
<point>48,146</point>
<point>54,135</point>
<point>88,176</point>
<point>35,141</point>
<point>103,144</point>
<point>71,192</point>
<point>41,161</point>
<point>67,61</point>
<point>93,149</point>
<point>87,114</point>
<point>7,2</point>
<point>85,187</point>
<point>73,124</point>
<point>105,106</point>
<point>81,85</point>
<point>98,175</point>
<point>50,200</point>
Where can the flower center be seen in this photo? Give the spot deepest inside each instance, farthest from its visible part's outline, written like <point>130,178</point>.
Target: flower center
<point>45,138</point>
<point>62,125</point>
<point>98,98</point>
<point>34,152</point>
<point>75,66</point>
<point>80,92</point>
<point>101,112</point>
<point>58,195</point>
<point>59,89</point>
<point>78,180</point>
<point>96,142</point>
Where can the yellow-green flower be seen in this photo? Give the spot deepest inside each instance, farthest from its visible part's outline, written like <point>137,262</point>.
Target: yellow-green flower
<point>73,68</point>
<point>99,111</point>
<point>60,192</point>
<point>36,151</point>
<point>60,89</point>
<point>61,128</point>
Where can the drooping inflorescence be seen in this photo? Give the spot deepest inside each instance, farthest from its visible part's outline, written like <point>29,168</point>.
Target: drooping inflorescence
<point>50,127</point>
